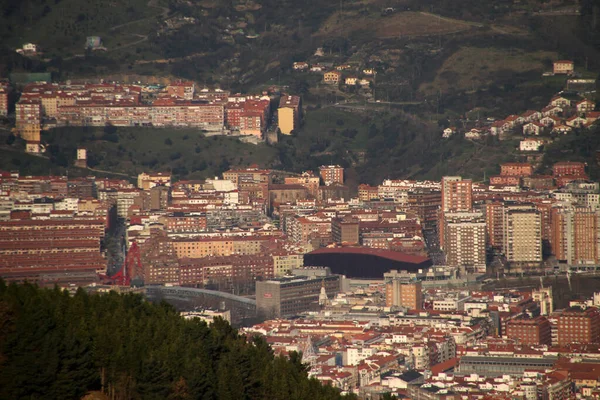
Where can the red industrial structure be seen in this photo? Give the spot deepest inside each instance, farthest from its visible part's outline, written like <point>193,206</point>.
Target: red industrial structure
<point>132,268</point>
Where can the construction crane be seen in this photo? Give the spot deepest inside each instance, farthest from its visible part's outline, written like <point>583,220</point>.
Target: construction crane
<point>131,268</point>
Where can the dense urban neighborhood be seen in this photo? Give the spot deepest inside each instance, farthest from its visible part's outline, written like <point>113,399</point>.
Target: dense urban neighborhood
<point>260,200</point>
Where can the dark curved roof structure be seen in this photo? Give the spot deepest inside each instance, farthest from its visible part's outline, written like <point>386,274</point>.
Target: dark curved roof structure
<point>364,262</point>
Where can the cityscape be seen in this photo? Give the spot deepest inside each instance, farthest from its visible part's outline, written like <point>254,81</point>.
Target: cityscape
<point>260,200</point>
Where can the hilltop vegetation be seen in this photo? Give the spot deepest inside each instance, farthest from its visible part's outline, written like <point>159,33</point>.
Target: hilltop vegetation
<point>57,346</point>
<point>437,62</point>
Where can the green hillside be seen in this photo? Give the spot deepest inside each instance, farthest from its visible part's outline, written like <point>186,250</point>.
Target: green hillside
<point>57,346</point>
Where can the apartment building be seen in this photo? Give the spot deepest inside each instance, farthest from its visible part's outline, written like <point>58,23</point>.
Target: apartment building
<point>181,89</point>
<point>402,292</point>
<point>345,230</point>
<point>235,268</point>
<point>457,196</point>
<point>147,181</point>
<point>568,168</point>
<point>523,236</point>
<point>289,296</point>
<point>48,251</point>
<point>4,98</point>
<point>516,169</point>
<point>576,325</point>
<point>332,174</point>
<point>250,175</point>
<point>530,331</point>
<point>308,180</point>
<point>465,240</point>
<point>289,114</point>
<point>564,67</point>
<point>218,246</point>
<point>576,235</point>
<point>332,77</point>
<point>28,112</point>
<point>425,203</point>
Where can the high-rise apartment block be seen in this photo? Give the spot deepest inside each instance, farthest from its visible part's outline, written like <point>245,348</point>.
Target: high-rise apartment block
<point>576,235</point>
<point>464,240</point>
<point>523,235</point>
<point>402,292</point>
<point>457,196</point>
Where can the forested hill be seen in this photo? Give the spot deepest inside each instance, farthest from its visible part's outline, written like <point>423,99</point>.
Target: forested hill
<point>57,346</point>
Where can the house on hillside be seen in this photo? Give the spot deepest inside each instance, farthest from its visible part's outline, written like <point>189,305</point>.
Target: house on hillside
<point>585,105</point>
<point>351,80</point>
<point>474,134</point>
<point>500,127</point>
<point>551,110</point>
<point>592,117</point>
<point>448,132</point>
<point>369,71</point>
<point>317,68</point>
<point>533,128</point>
<point>550,120</point>
<point>332,77</point>
<point>530,144</point>
<point>514,120</point>
<point>575,121</point>
<point>364,82</point>
<point>531,115</point>
<point>560,101</point>
<point>564,67</point>
<point>300,66</point>
<point>562,129</point>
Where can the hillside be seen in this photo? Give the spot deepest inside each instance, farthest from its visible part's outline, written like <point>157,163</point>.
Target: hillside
<point>436,63</point>
<point>57,346</point>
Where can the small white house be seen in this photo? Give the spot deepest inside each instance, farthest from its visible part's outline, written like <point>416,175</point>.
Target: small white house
<point>473,134</point>
<point>448,132</point>
<point>533,128</point>
<point>530,144</point>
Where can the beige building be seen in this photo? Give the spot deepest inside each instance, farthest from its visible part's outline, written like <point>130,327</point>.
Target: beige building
<point>199,248</point>
<point>285,120</point>
<point>564,67</point>
<point>308,180</point>
<point>465,240</point>
<point>289,114</point>
<point>148,181</point>
<point>523,236</point>
<point>332,77</point>
<point>283,264</point>
<point>401,292</point>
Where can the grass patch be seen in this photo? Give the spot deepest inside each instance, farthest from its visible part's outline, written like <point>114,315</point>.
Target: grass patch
<point>187,153</point>
<point>471,68</point>
<point>406,23</point>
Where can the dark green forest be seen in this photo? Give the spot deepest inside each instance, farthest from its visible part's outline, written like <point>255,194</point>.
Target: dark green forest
<point>54,345</point>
